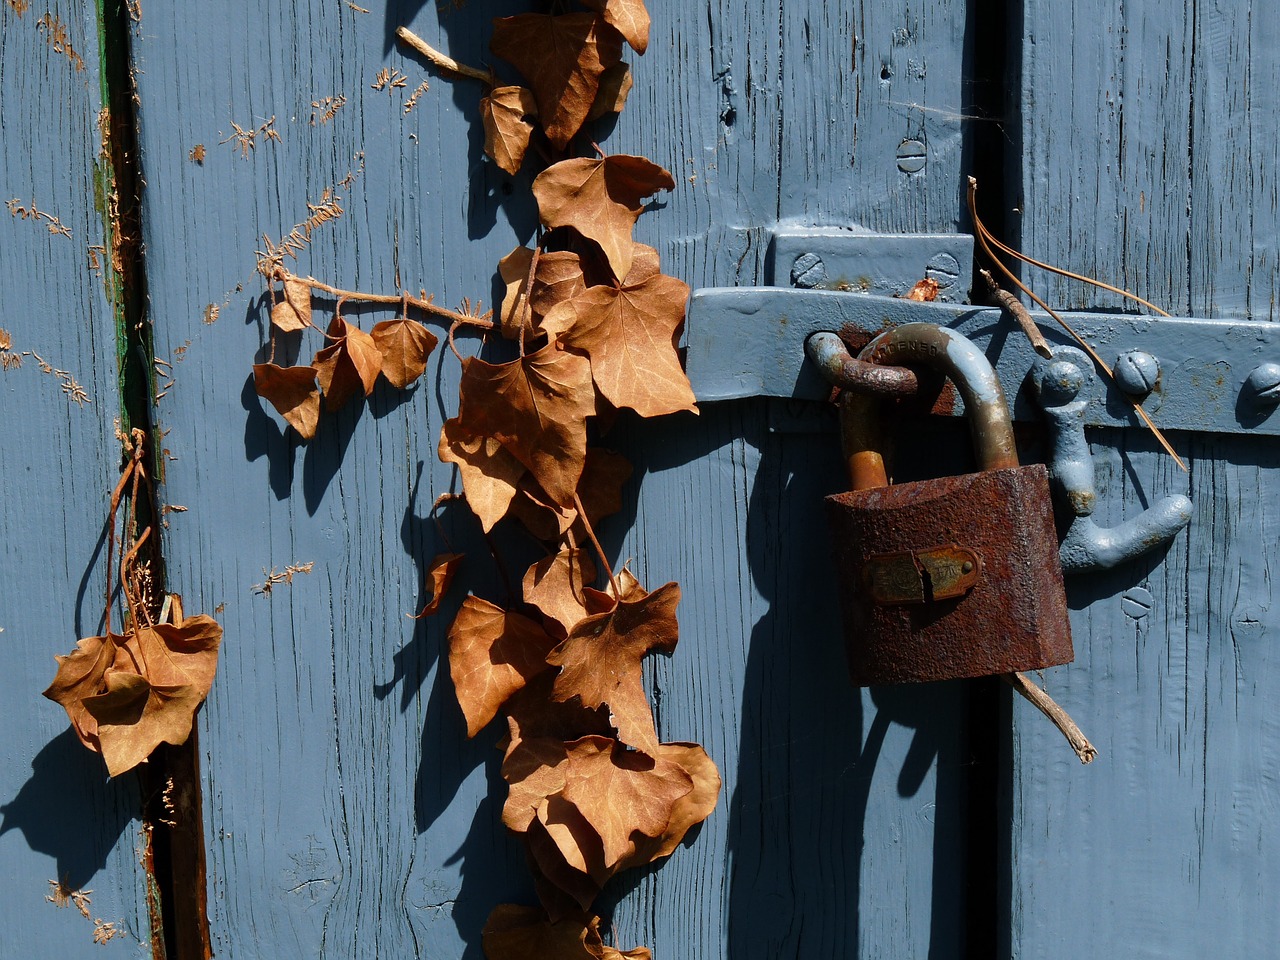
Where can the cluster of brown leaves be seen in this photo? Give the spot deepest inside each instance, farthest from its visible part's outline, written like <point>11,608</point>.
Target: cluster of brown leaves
<point>126,693</point>
<point>351,363</point>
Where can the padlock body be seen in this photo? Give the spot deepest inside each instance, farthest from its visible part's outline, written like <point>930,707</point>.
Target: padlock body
<point>892,546</point>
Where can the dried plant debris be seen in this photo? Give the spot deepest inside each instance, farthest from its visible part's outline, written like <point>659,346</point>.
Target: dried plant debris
<point>247,140</point>
<point>105,931</point>
<point>18,6</point>
<point>414,97</point>
<point>197,154</point>
<point>30,212</point>
<point>56,36</point>
<point>276,577</point>
<point>389,79</point>
<point>325,109</point>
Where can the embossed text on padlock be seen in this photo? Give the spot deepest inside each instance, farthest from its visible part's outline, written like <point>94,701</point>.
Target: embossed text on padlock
<point>912,610</point>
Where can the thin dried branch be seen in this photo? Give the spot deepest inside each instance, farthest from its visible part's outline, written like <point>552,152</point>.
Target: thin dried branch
<point>421,303</point>
<point>441,60</point>
<point>1085,750</point>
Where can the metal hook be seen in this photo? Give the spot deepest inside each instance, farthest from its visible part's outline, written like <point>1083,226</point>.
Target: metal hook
<point>1088,546</point>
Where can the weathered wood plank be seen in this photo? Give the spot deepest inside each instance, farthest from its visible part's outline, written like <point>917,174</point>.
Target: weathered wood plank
<point>347,814</point>
<point>60,818</point>
<point>1150,162</point>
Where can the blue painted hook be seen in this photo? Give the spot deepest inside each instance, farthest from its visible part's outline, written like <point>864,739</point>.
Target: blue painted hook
<point>1088,546</point>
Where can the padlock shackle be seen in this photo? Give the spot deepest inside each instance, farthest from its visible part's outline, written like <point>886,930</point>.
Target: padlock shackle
<point>950,353</point>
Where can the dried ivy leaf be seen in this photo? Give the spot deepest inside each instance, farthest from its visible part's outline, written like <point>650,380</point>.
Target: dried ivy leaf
<point>352,362</point>
<point>81,674</point>
<point>537,407</point>
<point>492,654</point>
<point>533,713</point>
<point>404,345</point>
<point>506,131</point>
<point>514,271</point>
<point>562,57</point>
<point>134,717</point>
<point>294,311</point>
<point>559,277</point>
<point>600,489</point>
<point>554,585</point>
<point>525,933</point>
<point>601,200</point>
<point>635,953</point>
<point>628,17</point>
<point>534,768</point>
<point>620,791</point>
<point>629,586</point>
<point>172,656</point>
<point>294,394</point>
<point>440,575</point>
<point>567,852</point>
<point>489,471</point>
<point>690,810</point>
<point>615,85</point>
<point>628,331</point>
<point>600,661</point>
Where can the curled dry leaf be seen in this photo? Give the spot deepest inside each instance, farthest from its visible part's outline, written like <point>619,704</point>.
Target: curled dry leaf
<point>924,291</point>
<point>689,811</point>
<point>293,392</point>
<point>628,331</point>
<point>600,661</point>
<point>615,85</point>
<point>534,768</point>
<point>489,471</point>
<point>506,129</point>
<point>134,717</point>
<point>172,656</point>
<point>600,490</point>
<point>537,407</point>
<point>601,199</point>
<point>492,654</point>
<point>620,791</point>
<point>568,856</point>
<point>525,933</point>
<point>404,345</point>
<point>562,58</point>
<point>294,311</point>
<point>349,364</point>
<point>532,712</point>
<point>440,575</point>
<point>629,17</point>
<point>81,675</point>
<point>559,277</point>
<point>554,585</point>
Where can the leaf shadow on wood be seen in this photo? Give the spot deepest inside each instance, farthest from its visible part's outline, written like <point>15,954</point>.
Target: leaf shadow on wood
<point>50,809</point>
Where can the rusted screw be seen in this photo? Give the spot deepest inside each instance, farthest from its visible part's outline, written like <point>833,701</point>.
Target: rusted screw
<point>911,156</point>
<point>1263,385</point>
<point>1137,372</point>
<point>808,271</point>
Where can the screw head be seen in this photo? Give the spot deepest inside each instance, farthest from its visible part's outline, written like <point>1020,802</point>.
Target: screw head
<point>911,156</point>
<point>808,271</point>
<point>1060,383</point>
<point>1137,372</point>
<point>1263,385</point>
<point>943,269</point>
<point>1137,603</point>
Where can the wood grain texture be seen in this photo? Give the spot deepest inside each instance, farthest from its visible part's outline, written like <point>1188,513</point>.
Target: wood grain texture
<point>1151,162</point>
<point>347,813</point>
<point>60,818</point>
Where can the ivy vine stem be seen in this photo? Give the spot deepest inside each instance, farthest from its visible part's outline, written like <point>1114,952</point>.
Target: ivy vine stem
<point>582,515</point>
<point>426,306</point>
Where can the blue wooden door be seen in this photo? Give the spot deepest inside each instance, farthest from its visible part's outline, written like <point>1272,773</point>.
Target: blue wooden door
<point>344,812</point>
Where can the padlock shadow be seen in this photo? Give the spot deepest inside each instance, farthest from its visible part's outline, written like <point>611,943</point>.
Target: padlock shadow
<point>838,791</point>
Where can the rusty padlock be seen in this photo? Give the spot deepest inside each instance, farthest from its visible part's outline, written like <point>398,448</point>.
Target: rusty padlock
<point>953,577</point>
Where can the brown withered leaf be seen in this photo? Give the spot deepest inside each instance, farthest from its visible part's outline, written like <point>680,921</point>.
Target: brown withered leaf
<point>600,661</point>
<point>601,200</point>
<point>537,715</point>
<point>554,585</point>
<point>349,364</point>
<point>172,656</point>
<point>537,407</point>
<point>559,277</point>
<point>562,57</point>
<point>925,291</point>
<point>600,490</point>
<point>567,851</point>
<point>81,674</point>
<point>440,575</point>
<point>689,811</point>
<point>294,394</point>
<point>629,586</point>
<point>526,933</point>
<point>492,654</point>
<point>506,131</point>
<point>628,331</point>
<point>615,85</point>
<point>635,953</point>
<point>629,17</point>
<point>404,345</point>
<point>619,791</point>
<point>134,717</point>
<point>293,312</point>
<point>489,471</point>
<point>534,769</point>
